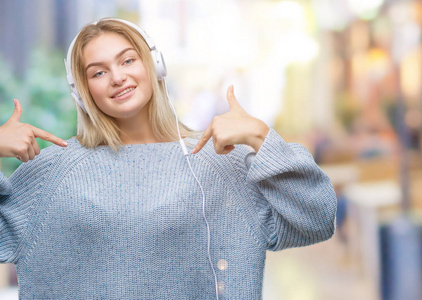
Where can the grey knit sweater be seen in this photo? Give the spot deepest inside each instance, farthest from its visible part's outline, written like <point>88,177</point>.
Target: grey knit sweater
<point>93,224</point>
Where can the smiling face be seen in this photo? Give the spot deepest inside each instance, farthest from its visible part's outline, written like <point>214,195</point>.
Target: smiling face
<point>117,78</point>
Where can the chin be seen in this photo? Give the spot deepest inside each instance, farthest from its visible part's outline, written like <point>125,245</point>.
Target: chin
<point>127,114</point>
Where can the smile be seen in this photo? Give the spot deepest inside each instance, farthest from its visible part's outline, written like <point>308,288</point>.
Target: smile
<point>123,92</point>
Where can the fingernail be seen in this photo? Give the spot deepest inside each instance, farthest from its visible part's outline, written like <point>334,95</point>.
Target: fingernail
<point>194,151</point>
<point>65,144</point>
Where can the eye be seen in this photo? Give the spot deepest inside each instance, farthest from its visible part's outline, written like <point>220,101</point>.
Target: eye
<point>128,61</point>
<point>98,74</point>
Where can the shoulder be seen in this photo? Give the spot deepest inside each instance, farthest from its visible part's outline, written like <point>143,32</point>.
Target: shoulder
<point>73,150</point>
<point>53,157</point>
<point>46,170</point>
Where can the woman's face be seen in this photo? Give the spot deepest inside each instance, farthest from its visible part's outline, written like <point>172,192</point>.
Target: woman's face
<point>117,78</point>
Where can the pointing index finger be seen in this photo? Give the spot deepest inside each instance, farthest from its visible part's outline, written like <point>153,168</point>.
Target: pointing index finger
<point>46,136</point>
<point>203,140</point>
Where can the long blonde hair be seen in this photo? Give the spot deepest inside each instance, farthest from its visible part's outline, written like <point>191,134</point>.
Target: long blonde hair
<point>95,128</point>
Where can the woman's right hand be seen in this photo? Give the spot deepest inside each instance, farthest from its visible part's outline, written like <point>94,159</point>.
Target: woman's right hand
<point>18,139</point>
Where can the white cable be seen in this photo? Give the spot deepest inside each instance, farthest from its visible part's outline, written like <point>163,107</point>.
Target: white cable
<point>186,153</point>
<point>208,227</point>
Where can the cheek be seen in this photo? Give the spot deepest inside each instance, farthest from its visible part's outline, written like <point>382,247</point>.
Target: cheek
<point>97,92</point>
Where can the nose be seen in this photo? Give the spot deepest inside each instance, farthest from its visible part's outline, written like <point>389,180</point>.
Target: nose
<point>117,77</point>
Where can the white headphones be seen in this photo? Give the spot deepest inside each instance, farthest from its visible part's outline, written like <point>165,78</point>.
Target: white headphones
<point>157,57</point>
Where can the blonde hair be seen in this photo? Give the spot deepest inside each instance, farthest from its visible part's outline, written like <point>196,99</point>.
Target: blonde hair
<point>95,128</point>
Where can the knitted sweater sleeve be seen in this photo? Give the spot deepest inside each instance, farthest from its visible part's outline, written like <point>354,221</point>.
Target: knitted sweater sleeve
<point>19,196</point>
<point>293,197</point>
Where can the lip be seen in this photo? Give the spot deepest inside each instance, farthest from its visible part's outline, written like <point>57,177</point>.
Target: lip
<point>125,95</point>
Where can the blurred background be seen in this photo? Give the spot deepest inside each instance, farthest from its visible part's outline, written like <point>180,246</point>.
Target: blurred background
<point>342,77</point>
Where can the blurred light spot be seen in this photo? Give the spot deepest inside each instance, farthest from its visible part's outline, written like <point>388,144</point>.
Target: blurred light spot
<point>296,47</point>
<point>327,19</point>
<point>411,74</point>
<point>289,10</point>
<point>366,9</point>
<point>222,264</point>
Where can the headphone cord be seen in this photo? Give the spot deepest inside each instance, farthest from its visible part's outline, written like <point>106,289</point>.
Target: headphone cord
<point>186,154</point>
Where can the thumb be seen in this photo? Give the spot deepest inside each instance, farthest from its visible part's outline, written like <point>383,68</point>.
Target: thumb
<point>16,116</point>
<point>231,99</point>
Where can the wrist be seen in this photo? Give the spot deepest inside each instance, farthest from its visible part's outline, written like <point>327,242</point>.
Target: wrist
<point>257,137</point>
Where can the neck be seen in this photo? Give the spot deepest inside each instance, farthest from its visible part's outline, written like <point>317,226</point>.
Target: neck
<point>137,130</point>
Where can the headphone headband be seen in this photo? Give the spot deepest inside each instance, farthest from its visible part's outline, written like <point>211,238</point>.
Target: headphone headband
<point>157,57</point>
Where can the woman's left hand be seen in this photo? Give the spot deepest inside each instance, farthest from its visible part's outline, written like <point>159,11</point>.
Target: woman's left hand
<point>234,127</point>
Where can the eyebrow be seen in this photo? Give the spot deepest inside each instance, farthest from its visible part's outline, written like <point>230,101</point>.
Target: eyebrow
<point>101,63</point>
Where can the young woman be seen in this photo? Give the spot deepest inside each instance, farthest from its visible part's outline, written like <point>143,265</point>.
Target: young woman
<point>119,212</point>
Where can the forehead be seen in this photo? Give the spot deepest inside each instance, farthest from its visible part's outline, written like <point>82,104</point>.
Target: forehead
<point>104,47</point>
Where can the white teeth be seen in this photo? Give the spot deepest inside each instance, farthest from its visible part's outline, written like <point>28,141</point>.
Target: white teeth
<point>124,92</point>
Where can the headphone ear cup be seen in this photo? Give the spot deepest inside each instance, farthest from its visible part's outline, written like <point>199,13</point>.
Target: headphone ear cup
<point>160,65</point>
